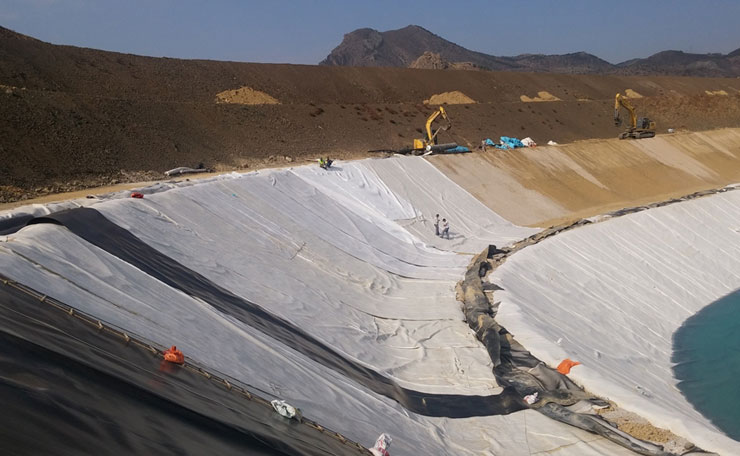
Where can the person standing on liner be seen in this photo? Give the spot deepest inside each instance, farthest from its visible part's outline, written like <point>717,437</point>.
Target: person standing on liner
<point>445,228</point>
<point>436,225</point>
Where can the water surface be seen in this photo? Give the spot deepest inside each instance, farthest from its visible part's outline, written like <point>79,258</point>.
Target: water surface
<point>707,356</point>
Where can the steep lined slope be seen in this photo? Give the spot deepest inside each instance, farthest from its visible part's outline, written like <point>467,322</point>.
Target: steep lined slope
<point>611,295</point>
<point>332,266</point>
<point>356,242</point>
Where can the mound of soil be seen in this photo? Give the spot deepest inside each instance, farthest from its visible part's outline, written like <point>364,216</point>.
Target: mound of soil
<point>449,98</point>
<point>542,95</point>
<point>246,96</point>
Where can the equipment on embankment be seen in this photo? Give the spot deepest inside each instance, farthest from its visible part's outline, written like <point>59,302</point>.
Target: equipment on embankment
<point>431,137</point>
<point>639,128</point>
<point>429,142</point>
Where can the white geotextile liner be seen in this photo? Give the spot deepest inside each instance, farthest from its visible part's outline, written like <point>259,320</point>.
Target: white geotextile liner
<point>274,239</point>
<point>473,226</point>
<point>613,294</point>
<point>112,290</point>
<point>355,185</point>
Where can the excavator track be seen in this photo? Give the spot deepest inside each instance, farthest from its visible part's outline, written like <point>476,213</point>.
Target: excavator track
<point>637,134</point>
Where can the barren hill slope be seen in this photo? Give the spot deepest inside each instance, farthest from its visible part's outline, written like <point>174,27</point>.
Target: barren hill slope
<point>88,117</point>
<point>685,64</point>
<point>401,48</point>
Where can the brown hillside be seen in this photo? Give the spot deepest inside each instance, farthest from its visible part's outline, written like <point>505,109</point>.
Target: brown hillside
<point>408,46</point>
<point>82,116</point>
<point>684,64</point>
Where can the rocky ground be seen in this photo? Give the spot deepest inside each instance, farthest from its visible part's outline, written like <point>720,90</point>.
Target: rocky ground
<point>73,118</point>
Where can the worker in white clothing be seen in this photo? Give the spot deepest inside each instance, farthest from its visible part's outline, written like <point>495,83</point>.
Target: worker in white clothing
<point>445,228</point>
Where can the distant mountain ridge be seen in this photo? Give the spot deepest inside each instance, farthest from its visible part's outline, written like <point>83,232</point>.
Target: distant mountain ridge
<point>416,47</point>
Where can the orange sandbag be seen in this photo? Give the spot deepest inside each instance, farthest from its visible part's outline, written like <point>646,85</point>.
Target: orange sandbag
<point>137,195</point>
<point>174,355</point>
<point>565,366</point>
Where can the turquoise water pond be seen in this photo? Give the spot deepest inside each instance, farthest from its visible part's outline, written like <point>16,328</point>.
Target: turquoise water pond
<point>707,356</point>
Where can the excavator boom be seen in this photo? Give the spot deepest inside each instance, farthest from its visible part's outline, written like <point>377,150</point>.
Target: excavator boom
<point>432,136</point>
<point>620,101</point>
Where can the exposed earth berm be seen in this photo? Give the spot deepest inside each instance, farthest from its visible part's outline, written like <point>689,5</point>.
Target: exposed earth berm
<point>74,117</point>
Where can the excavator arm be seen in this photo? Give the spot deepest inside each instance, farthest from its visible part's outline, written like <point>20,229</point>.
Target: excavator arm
<point>430,139</point>
<point>620,101</point>
<point>432,136</point>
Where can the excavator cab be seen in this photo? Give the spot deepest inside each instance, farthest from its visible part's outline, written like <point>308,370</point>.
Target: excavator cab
<point>431,135</point>
<point>639,128</point>
<point>645,123</point>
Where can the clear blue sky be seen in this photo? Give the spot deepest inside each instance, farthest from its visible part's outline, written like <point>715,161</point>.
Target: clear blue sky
<point>305,31</point>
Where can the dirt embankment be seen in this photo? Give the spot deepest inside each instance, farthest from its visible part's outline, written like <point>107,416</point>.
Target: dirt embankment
<point>76,117</point>
<point>550,185</point>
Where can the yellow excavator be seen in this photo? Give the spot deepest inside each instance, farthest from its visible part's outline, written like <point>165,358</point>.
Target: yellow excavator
<point>639,128</point>
<point>429,144</point>
<point>430,141</point>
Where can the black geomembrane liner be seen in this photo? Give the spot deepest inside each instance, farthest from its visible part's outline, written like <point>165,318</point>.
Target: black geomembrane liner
<point>92,226</point>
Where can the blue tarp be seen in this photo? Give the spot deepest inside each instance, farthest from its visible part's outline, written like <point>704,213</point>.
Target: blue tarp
<point>510,143</point>
<point>506,143</point>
